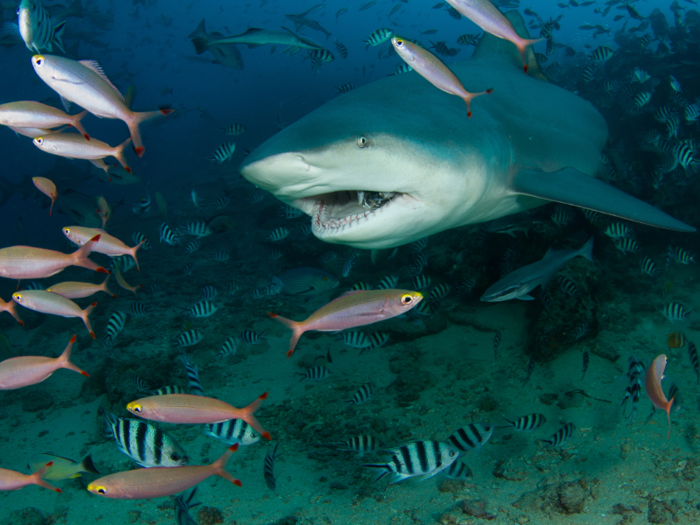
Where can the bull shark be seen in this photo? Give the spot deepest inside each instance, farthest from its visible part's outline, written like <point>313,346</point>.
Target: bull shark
<point>519,283</point>
<point>398,160</point>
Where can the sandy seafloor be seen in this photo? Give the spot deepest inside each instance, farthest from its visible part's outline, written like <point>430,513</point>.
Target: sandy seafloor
<point>608,472</point>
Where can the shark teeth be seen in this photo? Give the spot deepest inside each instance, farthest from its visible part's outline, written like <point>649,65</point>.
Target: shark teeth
<point>323,222</point>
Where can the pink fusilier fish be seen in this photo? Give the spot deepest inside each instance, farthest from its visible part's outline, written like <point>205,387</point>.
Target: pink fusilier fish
<point>11,308</point>
<point>84,83</point>
<point>74,146</point>
<point>195,410</point>
<point>434,71</point>
<point>12,480</point>
<point>484,14</point>
<point>33,132</point>
<point>108,244</point>
<point>48,188</point>
<point>28,114</point>
<point>54,304</point>
<point>25,262</point>
<point>76,290</point>
<point>350,310</point>
<point>159,482</point>
<point>18,372</point>
<point>652,384</point>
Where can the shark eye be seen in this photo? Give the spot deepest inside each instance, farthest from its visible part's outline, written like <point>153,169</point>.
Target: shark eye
<point>362,141</point>
<point>406,299</point>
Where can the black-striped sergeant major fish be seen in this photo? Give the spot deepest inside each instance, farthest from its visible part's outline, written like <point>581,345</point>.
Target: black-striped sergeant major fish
<point>222,153</point>
<point>230,287</point>
<point>420,458</point>
<point>354,338</point>
<point>233,431</point>
<point>526,423</point>
<point>341,49</point>
<point>233,129</point>
<point>379,37</point>
<point>345,88</point>
<point>192,375</point>
<point>188,338</point>
<point>468,39</point>
<point>252,337</point>
<point>375,340</point>
<point>626,245</point>
<point>36,27</point>
<point>145,443</point>
<point>347,267</point>
<point>472,437</point>
<point>693,354</point>
<point>202,309</point>
<point>168,236</point>
<point>220,256</point>
<point>363,394</point>
<point>648,267</point>
<point>115,325</point>
<point>581,330</point>
<point>439,292</point>
<point>360,444</point>
<point>420,282</point>
<point>278,234</point>
<point>562,217</point>
<point>453,12</point>
<point>187,269</point>
<point>680,255</point>
<point>675,312</point>
<point>567,286</point>
<point>388,283</point>
<point>209,292</point>
<point>601,55</point>
<point>315,373</point>
<point>361,286</point>
<point>229,347</point>
<point>168,390</point>
<point>561,436</point>
<point>140,309</point>
<point>197,228</point>
<point>269,467</point>
<point>635,373</point>
<point>139,238</point>
<point>183,504</point>
<point>221,202</point>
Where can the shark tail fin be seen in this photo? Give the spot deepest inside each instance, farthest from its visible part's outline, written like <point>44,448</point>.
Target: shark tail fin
<point>571,186</point>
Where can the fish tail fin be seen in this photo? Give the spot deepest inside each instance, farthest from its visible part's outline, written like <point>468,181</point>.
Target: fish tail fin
<point>80,256</point>
<point>86,319</point>
<point>219,466</point>
<point>297,330</point>
<point>133,253</point>
<point>105,288</point>
<point>77,124</point>
<point>201,44</point>
<point>58,35</point>
<point>12,310</point>
<point>37,478</point>
<point>587,250</point>
<point>119,151</point>
<point>471,96</point>
<point>248,415</point>
<point>138,119</point>
<point>86,464</point>
<point>523,44</point>
<point>64,359</point>
<point>667,408</point>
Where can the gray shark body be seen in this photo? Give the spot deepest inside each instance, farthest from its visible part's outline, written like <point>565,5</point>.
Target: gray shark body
<point>397,160</point>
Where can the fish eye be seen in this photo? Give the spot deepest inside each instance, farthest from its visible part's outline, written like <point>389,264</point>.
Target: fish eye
<point>362,141</point>
<point>66,231</point>
<point>136,408</point>
<point>101,490</point>
<point>17,297</point>
<point>406,298</point>
<point>325,278</point>
<point>39,141</point>
<point>452,453</point>
<point>399,42</point>
<point>174,456</point>
<point>39,60</point>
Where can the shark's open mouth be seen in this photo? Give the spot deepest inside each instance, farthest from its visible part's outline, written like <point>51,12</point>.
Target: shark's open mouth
<point>343,209</point>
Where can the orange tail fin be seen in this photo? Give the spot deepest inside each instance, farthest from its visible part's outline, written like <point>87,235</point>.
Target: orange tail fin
<point>296,327</point>
<point>64,359</point>
<point>133,254</point>
<point>219,466</point>
<point>39,474</point>
<point>248,415</point>
<point>138,118</point>
<point>86,320</point>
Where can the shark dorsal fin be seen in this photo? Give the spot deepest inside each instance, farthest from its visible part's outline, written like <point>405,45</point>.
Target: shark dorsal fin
<point>493,48</point>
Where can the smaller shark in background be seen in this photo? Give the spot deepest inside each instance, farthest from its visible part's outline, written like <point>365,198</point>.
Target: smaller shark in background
<point>254,37</point>
<point>518,284</point>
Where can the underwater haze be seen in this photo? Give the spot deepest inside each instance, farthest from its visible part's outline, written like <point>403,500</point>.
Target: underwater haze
<point>372,262</point>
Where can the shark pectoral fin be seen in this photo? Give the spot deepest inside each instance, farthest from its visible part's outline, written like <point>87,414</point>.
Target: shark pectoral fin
<point>570,186</point>
<point>526,298</point>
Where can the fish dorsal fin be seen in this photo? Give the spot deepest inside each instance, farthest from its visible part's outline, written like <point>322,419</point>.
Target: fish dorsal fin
<point>94,66</point>
<point>493,48</point>
<point>251,30</point>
